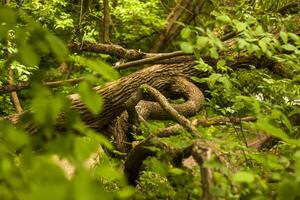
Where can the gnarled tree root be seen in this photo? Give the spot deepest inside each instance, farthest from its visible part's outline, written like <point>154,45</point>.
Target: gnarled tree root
<point>198,150</point>
<point>140,110</point>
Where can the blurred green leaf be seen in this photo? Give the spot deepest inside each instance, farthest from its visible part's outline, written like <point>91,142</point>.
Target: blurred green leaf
<point>28,56</point>
<point>214,53</point>
<point>289,47</point>
<point>284,36</point>
<point>57,46</point>
<point>186,47</point>
<point>223,18</point>
<point>84,147</point>
<point>262,45</point>
<point>243,177</point>
<point>91,99</point>
<point>201,41</point>
<point>125,193</point>
<point>185,33</point>
<point>8,15</point>
<point>98,66</point>
<point>287,190</point>
<point>11,136</point>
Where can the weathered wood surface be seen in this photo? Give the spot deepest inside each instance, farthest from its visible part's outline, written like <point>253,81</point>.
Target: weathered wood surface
<point>116,93</point>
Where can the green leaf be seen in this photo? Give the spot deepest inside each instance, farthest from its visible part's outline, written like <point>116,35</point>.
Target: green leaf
<point>98,138</point>
<point>202,66</point>
<point>186,47</point>
<point>264,125</point>
<point>176,171</point>
<point>90,98</point>
<point>215,13</point>
<point>294,36</point>
<point>7,15</point>
<point>289,47</point>
<point>185,33</point>
<point>98,66</point>
<point>221,63</point>
<point>27,55</point>
<point>277,114</point>
<point>243,177</point>
<point>3,31</point>
<point>199,80</point>
<point>125,193</point>
<point>287,190</point>
<point>57,46</point>
<point>214,53</point>
<point>84,147</point>
<point>226,82</point>
<point>46,107</point>
<point>259,30</point>
<point>108,172</point>
<point>11,136</point>
<point>284,36</point>
<point>213,78</point>
<point>240,26</point>
<point>262,45</point>
<point>201,41</point>
<point>297,165</point>
<point>224,18</point>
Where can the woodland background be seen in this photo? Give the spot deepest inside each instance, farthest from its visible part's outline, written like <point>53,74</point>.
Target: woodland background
<point>149,99</point>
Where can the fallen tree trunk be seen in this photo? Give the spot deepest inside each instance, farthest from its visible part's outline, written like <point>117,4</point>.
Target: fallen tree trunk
<point>116,93</point>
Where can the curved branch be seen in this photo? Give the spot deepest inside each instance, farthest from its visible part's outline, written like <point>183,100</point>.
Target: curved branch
<point>112,49</point>
<point>141,151</point>
<point>283,10</point>
<point>163,102</point>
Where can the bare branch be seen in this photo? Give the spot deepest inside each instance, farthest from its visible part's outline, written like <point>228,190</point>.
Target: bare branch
<point>14,94</point>
<point>111,49</point>
<point>184,12</point>
<point>283,10</point>
<point>106,22</point>
<point>202,154</point>
<point>26,85</point>
<point>157,57</point>
<point>215,121</point>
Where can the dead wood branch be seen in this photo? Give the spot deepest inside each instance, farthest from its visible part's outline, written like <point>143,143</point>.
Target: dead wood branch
<point>141,110</point>
<point>202,154</point>
<point>14,94</point>
<point>172,130</point>
<point>290,6</point>
<point>184,11</point>
<point>111,49</point>
<point>106,22</point>
<point>119,129</point>
<point>155,94</point>
<point>179,87</point>
<point>151,59</point>
<point>26,85</point>
<point>136,157</point>
<point>141,151</point>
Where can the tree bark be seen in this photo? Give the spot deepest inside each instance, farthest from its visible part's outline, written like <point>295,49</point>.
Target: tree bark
<point>184,12</point>
<point>116,93</point>
<point>106,22</point>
